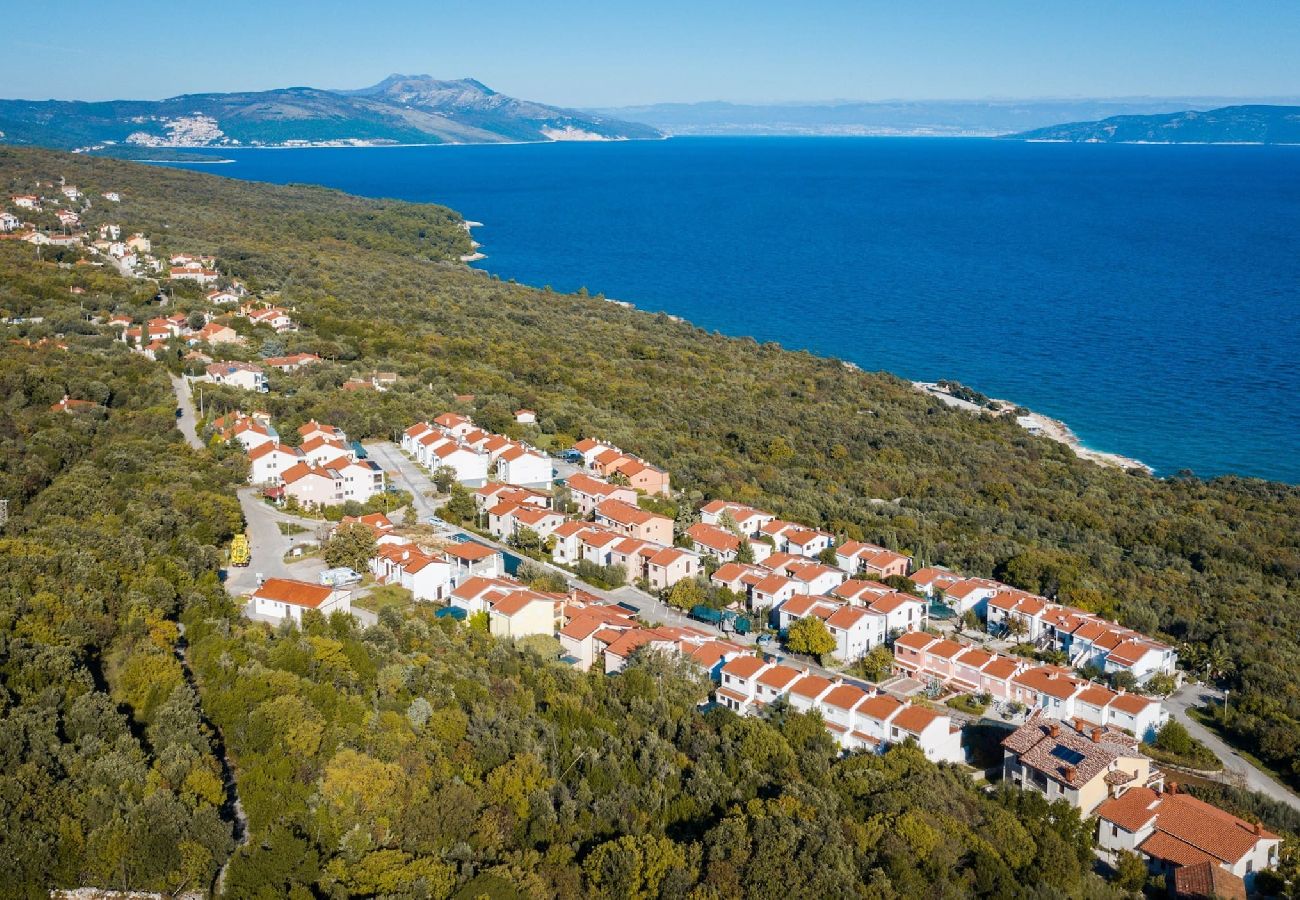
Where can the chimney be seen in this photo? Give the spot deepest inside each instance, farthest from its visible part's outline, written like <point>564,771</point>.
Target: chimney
<point>1070,772</point>
<point>1256,829</point>
<point>1096,735</point>
<point>1171,787</point>
<point>1054,729</point>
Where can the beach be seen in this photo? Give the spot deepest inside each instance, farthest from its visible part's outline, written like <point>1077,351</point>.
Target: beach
<point>1034,423</point>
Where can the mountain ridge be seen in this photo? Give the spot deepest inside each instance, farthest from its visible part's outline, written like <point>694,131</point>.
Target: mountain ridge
<point>1240,124</point>
<point>400,109</point>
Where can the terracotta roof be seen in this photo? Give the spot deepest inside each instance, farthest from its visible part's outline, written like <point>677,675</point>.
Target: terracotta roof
<point>296,593</point>
<point>470,550</point>
<point>846,696</point>
<point>879,707</point>
<point>810,686</point>
<point>743,666</point>
<point>1207,828</point>
<point>626,513</point>
<point>915,719</point>
<point>1067,757</point>
<point>713,537</point>
<point>779,677</point>
<point>915,640</point>
<point>515,603</point>
<point>1132,810</point>
<point>1163,846</point>
<point>846,617</point>
<point>1207,880</point>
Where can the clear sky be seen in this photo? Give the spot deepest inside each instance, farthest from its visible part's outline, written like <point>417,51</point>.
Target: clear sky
<point>612,52</point>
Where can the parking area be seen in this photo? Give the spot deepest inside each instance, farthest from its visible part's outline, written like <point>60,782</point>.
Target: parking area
<point>269,545</point>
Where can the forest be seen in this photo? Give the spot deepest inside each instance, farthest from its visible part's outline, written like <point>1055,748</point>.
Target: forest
<point>576,784</point>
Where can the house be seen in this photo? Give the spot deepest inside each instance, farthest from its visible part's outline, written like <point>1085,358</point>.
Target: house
<point>112,196</point>
<point>668,565</point>
<point>455,424</point>
<point>902,612</point>
<point>251,433</point>
<point>477,593</point>
<point>634,521</point>
<point>221,297</point>
<point>788,537</point>
<point>493,493</point>
<point>9,222</point>
<point>26,201</point>
<point>139,243</point>
<point>519,465</point>
<point>525,417</point>
<point>507,518</point>
<point>200,275</point>
<point>312,429</point>
<point>426,575</point>
<point>215,333</point>
<point>589,629</point>
<point>1179,834</point>
<point>738,577</point>
<point>470,468</point>
<point>291,363</point>
<point>68,405</point>
<point>245,376</point>
<point>814,578</point>
<point>378,523</point>
<point>71,192</point>
<point>857,557</point>
<point>361,478</point>
<point>523,612</point>
<point>110,232</point>
<point>273,316</point>
<point>644,477</point>
<point>857,630</point>
<point>1062,763</point>
<point>748,520</point>
<point>721,544</point>
<point>320,448</point>
<point>283,598</point>
<point>587,492</point>
<point>473,560</point>
<point>312,485</point>
<point>268,462</point>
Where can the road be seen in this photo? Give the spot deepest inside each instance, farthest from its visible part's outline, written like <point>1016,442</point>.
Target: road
<point>406,474</point>
<point>185,403</point>
<point>1190,695</point>
<point>269,546</point>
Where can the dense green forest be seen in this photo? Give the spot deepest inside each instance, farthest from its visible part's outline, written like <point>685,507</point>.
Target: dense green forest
<point>415,758</point>
<point>110,774</point>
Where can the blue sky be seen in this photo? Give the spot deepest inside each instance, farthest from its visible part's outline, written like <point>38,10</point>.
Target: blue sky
<point>611,52</point>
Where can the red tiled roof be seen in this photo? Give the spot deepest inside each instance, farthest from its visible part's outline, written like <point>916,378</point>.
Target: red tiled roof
<point>296,593</point>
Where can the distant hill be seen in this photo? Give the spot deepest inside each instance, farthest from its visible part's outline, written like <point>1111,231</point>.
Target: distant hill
<point>400,109</point>
<point>1227,125</point>
<point>940,118</point>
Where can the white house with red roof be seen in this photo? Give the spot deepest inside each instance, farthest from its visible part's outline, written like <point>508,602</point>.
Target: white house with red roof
<point>634,522</point>
<point>857,719</point>
<point>748,520</point>
<point>245,376</point>
<point>857,557</point>
<point>473,560</point>
<point>320,448</point>
<point>312,485</point>
<point>426,575</point>
<point>267,462</point>
<point>787,537</point>
<point>1174,830</point>
<point>587,491</point>
<point>524,613</point>
<point>506,519</point>
<point>277,599</point>
<point>293,362</point>
<point>520,465</point>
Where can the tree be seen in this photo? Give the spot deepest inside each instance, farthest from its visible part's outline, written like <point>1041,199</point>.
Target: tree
<point>809,635</point>
<point>443,478</point>
<point>352,545</point>
<point>877,664</point>
<point>460,508</point>
<point>631,867</point>
<point>828,557</point>
<point>728,522</point>
<point>685,594</point>
<point>1130,872</point>
<point>745,552</point>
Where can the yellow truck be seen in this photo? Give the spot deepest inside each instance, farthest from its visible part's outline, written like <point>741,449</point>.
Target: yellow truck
<point>239,552</point>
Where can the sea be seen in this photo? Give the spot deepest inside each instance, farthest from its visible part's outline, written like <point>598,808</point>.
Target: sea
<point>1146,295</point>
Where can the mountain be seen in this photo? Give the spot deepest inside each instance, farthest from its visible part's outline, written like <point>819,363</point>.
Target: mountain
<point>414,109</point>
<point>1256,124</point>
<point>893,117</point>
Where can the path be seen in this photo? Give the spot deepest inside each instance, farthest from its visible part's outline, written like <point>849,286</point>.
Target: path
<point>233,807</point>
<point>185,403</point>
<point>1201,695</point>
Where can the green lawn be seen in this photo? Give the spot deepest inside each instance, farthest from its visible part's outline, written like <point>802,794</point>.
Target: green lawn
<point>385,596</point>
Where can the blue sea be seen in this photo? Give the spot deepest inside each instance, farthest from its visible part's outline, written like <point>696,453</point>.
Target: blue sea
<point>1148,296</point>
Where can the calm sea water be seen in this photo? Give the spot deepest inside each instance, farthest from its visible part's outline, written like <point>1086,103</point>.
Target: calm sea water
<point>1148,296</point>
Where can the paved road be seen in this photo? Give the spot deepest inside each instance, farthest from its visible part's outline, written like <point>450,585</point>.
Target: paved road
<point>1200,695</point>
<point>405,474</point>
<point>269,546</point>
<point>185,402</point>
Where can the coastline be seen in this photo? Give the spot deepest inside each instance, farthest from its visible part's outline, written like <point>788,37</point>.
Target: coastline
<point>1034,423</point>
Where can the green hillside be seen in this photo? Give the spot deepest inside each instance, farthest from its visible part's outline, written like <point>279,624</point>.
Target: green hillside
<point>1228,125</point>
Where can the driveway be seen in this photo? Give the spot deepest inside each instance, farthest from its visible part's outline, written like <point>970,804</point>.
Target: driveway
<point>1201,695</point>
<point>269,546</point>
<point>185,403</point>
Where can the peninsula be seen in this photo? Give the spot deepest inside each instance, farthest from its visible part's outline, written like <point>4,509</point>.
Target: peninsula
<point>1257,124</point>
